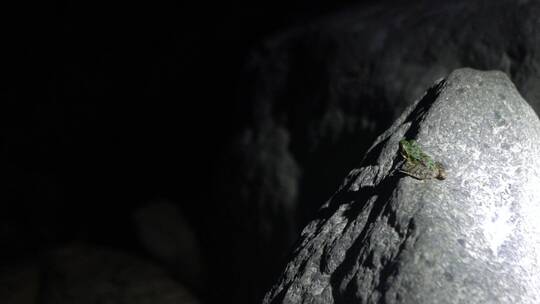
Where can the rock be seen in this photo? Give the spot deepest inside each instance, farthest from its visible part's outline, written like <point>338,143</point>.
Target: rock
<point>474,237</point>
<point>260,186</point>
<point>372,60</point>
<point>81,274</point>
<point>331,86</point>
<point>168,236</point>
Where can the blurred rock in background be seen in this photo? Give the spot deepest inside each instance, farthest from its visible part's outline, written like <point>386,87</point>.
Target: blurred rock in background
<point>168,236</point>
<point>87,274</point>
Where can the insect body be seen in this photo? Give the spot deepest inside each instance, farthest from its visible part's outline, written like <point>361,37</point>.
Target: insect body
<point>417,163</point>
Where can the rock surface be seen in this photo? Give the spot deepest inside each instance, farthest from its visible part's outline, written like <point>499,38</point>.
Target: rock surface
<point>384,237</point>
<point>331,86</point>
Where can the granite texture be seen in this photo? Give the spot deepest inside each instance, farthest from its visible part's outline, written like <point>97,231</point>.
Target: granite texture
<point>385,237</point>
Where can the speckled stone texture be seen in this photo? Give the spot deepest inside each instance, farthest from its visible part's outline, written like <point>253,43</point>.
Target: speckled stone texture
<point>317,95</point>
<point>384,237</point>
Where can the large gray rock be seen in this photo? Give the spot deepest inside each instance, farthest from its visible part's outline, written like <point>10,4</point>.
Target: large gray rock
<point>384,237</point>
<point>351,74</point>
<point>331,86</point>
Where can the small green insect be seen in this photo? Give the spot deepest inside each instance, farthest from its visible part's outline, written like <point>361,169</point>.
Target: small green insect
<point>417,163</point>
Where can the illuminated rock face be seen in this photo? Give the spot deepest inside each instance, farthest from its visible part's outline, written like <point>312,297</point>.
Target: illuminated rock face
<point>319,94</point>
<point>474,237</point>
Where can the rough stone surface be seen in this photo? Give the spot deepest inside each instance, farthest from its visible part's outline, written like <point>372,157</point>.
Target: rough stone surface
<point>331,86</point>
<point>473,238</point>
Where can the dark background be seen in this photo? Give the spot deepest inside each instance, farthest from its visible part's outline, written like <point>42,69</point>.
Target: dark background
<point>106,106</point>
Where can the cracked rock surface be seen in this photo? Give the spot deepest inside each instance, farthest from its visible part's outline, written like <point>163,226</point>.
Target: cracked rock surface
<point>385,237</point>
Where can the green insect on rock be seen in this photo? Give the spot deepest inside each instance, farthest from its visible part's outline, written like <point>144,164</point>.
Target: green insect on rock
<point>418,164</point>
